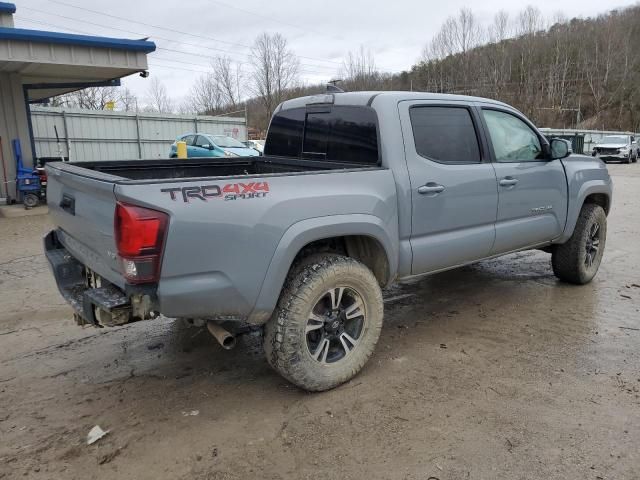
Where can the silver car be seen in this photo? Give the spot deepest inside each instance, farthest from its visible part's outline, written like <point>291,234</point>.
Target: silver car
<point>622,148</point>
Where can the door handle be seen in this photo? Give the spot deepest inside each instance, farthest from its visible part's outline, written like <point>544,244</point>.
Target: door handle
<point>68,204</point>
<point>430,188</point>
<point>508,181</point>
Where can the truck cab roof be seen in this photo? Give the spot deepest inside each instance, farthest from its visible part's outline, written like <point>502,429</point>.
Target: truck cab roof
<point>367,98</point>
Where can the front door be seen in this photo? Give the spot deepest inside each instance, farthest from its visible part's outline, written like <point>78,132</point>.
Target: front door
<point>532,191</point>
<point>453,185</point>
<point>201,147</point>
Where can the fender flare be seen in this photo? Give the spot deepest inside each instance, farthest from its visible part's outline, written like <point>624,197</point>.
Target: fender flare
<point>586,189</point>
<point>306,231</point>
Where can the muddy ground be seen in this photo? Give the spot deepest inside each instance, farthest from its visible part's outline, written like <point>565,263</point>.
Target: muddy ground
<point>494,371</point>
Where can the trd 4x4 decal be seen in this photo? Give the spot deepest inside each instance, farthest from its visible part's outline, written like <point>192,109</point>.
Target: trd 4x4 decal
<point>230,191</point>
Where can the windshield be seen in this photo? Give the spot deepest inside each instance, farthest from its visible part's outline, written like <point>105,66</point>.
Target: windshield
<point>227,142</point>
<point>613,139</point>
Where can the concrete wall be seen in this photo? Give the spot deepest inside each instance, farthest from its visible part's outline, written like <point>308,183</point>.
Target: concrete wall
<point>13,124</point>
<point>94,135</point>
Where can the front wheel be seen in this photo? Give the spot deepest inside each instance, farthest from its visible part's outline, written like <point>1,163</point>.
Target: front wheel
<point>327,322</point>
<point>577,260</point>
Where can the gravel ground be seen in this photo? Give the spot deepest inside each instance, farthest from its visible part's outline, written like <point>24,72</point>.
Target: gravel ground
<point>494,371</point>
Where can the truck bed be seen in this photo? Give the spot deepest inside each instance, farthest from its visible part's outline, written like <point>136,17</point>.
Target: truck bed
<point>165,169</point>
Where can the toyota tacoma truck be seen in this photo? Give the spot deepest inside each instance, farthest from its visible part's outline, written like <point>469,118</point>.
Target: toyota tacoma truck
<point>355,191</point>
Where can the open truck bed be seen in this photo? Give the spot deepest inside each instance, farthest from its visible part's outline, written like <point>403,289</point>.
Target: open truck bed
<point>171,169</point>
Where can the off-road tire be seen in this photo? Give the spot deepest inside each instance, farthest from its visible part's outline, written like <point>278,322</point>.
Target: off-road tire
<point>569,259</point>
<point>285,339</point>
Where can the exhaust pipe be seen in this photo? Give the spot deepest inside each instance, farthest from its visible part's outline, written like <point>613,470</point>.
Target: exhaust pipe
<point>225,338</point>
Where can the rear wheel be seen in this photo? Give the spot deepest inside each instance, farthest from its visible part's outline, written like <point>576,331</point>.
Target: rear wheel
<point>327,322</point>
<point>30,200</point>
<point>577,260</point>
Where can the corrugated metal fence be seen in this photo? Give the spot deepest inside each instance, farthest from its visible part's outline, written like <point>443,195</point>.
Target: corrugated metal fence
<point>93,135</point>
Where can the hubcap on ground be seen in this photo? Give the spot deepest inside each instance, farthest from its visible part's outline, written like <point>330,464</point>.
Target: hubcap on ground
<point>592,245</point>
<point>335,325</point>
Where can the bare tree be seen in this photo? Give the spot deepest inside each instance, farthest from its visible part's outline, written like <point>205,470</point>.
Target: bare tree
<point>127,101</point>
<point>499,30</point>
<point>92,98</point>
<point>274,70</point>
<point>359,70</point>
<point>466,31</point>
<point>158,100</point>
<point>227,79</point>
<point>204,95</point>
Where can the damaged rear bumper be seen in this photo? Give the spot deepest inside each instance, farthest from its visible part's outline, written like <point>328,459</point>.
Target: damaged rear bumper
<point>94,300</point>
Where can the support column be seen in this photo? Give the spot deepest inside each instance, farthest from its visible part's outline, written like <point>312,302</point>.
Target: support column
<point>14,124</point>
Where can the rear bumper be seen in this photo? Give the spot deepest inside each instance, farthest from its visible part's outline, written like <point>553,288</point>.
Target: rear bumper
<point>104,305</point>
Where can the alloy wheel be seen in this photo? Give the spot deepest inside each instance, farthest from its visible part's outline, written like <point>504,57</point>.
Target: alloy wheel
<point>335,325</point>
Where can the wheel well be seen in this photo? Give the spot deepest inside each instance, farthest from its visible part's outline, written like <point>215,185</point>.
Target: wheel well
<point>599,199</point>
<point>363,248</point>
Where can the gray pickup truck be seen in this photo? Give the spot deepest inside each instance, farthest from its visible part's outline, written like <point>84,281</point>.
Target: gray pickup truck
<point>354,191</point>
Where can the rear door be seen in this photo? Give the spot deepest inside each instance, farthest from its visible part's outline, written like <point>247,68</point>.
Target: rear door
<point>453,185</point>
<point>189,141</point>
<point>532,191</point>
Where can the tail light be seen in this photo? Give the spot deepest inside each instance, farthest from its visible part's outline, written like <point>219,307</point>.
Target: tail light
<point>140,236</point>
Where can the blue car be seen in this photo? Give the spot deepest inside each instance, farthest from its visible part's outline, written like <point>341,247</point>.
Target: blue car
<point>207,145</point>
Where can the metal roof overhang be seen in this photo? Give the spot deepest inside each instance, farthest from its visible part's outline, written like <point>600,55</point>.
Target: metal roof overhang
<point>52,63</point>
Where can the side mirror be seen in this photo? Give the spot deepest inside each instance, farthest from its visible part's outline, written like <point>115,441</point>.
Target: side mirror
<point>559,148</point>
<point>207,146</point>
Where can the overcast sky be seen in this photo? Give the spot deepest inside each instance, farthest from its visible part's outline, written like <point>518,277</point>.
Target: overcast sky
<point>320,32</point>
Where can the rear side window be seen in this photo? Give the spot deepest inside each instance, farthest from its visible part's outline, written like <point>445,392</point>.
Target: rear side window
<point>336,134</point>
<point>188,139</point>
<point>285,134</point>
<point>445,134</point>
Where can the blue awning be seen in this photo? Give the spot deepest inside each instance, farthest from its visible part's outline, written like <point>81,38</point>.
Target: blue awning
<point>42,36</point>
<point>7,7</point>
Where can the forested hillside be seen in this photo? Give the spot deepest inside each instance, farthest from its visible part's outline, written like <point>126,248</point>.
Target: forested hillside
<point>584,71</point>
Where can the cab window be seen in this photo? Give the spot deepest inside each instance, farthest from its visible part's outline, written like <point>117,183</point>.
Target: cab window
<point>334,133</point>
<point>203,142</point>
<point>445,134</point>
<point>512,139</point>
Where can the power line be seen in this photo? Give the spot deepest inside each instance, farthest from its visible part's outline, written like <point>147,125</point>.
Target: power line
<point>159,27</point>
<point>143,35</point>
<point>304,29</point>
<point>304,71</point>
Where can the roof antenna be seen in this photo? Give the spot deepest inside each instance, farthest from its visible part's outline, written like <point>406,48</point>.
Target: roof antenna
<point>333,88</point>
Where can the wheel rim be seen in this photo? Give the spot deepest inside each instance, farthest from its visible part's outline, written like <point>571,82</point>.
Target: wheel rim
<point>335,325</point>
<point>592,245</point>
